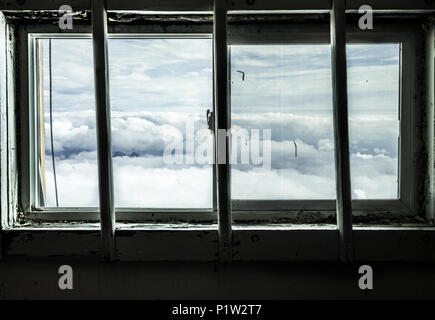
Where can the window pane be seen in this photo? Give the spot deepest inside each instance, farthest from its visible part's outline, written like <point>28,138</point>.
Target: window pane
<point>74,135</point>
<point>160,92</point>
<point>287,89</point>
<point>373,81</point>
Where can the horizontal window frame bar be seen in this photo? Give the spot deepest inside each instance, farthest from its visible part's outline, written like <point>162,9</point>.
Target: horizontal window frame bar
<point>392,205</point>
<point>122,209</point>
<point>307,33</point>
<point>134,35</point>
<point>250,205</point>
<point>256,211</point>
<point>207,5</point>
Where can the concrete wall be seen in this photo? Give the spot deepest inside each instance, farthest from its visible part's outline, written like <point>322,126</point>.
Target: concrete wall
<point>268,280</point>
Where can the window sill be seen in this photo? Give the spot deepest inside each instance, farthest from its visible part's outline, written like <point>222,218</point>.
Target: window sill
<point>150,242</point>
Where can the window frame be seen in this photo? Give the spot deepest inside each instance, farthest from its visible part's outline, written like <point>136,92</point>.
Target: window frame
<point>405,204</point>
<point>246,211</point>
<point>283,242</point>
<point>32,211</point>
<point>34,134</point>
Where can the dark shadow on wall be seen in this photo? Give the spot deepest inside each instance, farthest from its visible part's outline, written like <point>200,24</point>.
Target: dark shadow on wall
<point>265,280</point>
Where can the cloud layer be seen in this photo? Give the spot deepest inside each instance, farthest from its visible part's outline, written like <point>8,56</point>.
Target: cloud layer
<point>160,86</point>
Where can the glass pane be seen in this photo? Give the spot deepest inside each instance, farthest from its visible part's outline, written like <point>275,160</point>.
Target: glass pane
<point>373,82</point>
<point>285,89</point>
<point>73,118</point>
<point>162,150</point>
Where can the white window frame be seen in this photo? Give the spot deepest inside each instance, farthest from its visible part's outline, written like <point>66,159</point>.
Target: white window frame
<point>406,203</point>
<point>35,190</point>
<point>250,210</point>
<point>30,204</point>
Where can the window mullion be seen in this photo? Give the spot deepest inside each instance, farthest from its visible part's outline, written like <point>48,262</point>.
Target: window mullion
<point>430,95</point>
<point>220,59</point>
<point>341,130</point>
<point>104,150</point>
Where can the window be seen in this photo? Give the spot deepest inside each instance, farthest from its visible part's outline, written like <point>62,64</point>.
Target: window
<point>161,89</point>
<point>162,114</point>
<point>282,146</point>
<point>285,89</point>
<point>283,82</point>
<point>374,100</point>
<point>66,108</point>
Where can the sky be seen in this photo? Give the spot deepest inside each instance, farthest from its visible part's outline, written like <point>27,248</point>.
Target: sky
<point>160,91</point>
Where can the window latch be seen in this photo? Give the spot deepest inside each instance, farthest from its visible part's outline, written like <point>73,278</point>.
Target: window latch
<point>210,120</point>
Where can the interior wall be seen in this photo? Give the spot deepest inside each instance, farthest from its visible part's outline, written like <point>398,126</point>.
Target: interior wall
<point>34,279</point>
<point>248,281</point>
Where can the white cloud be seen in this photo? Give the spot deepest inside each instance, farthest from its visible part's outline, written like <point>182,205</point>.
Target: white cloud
<point>158,86</point>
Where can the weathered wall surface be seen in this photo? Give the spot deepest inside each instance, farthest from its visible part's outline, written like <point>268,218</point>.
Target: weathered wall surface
<point>95,280</point>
